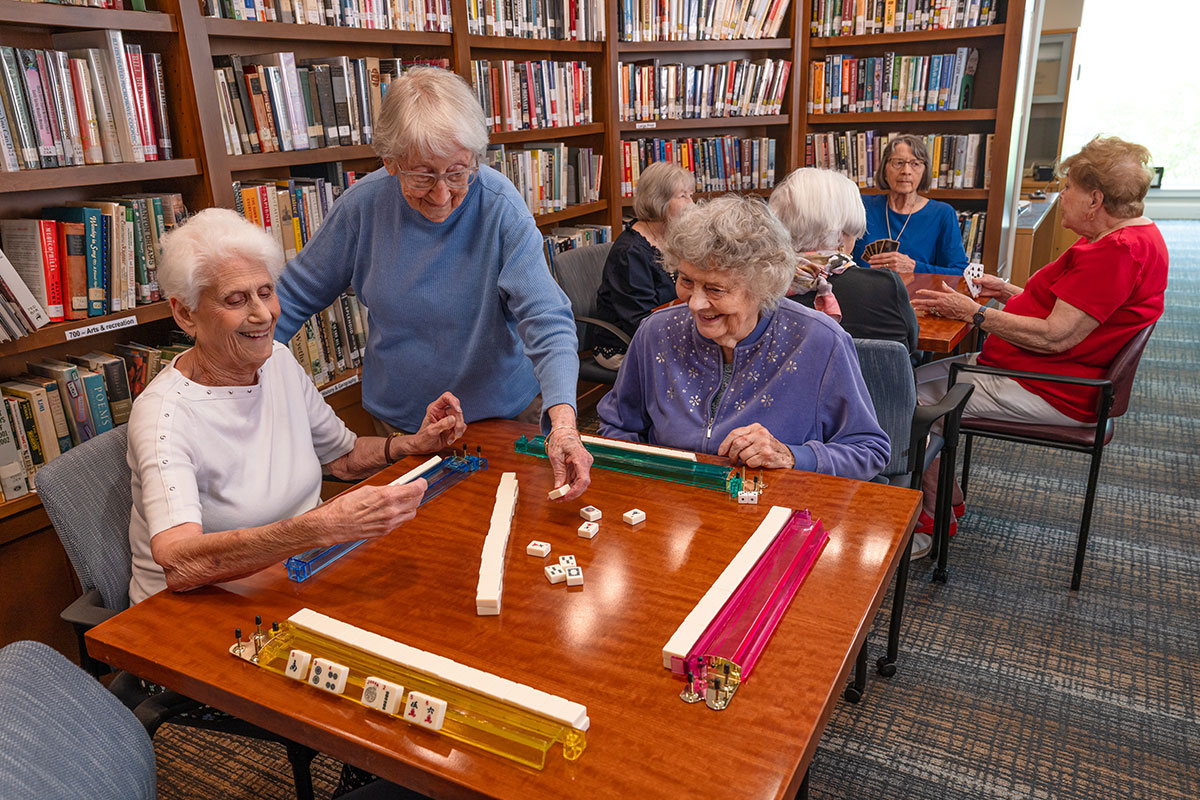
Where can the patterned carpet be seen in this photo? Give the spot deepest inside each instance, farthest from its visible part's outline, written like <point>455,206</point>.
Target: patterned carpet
<point>1009,685</point>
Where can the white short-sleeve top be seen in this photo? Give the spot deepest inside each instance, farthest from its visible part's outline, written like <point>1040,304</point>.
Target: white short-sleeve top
<point>226,457</point>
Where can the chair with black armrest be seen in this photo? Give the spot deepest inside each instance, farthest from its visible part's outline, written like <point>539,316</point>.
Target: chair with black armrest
<point>887,372</point>
<point>1112,401</point>
<point>579,272</point>
<point>86,493</point>
<point>64,735</point>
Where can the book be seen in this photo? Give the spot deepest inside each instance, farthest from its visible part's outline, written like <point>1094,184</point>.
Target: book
<point>89,124</point>
<point>46,134</point>
<point>71,392</point>
<point>30,308</point>
<point>39,406</point>
<point>93,252</point>
<point>141,102</point>
<point>54,398</point>
<point>12,93</point>
<point>97,397</point>
<point>12,467</point>
<point>116,382</point>
<point>122,94</point>
<point>106,119</point>
<point>32,249</point>
<point>156,90</point>
<point>12,417</point>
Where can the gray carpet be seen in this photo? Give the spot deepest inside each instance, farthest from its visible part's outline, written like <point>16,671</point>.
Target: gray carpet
<point>1010,686</point>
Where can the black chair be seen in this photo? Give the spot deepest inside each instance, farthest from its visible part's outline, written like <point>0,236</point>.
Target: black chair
<point>887,372</point>
<point>1112,401</point>
<point>579,272</point>
<point>86,494</point>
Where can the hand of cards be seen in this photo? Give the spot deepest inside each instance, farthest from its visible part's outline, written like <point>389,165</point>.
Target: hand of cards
<point>973,273</point>
<point>880,246</point>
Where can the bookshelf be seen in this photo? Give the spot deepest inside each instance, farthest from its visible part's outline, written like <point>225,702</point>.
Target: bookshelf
<point>999,81</point>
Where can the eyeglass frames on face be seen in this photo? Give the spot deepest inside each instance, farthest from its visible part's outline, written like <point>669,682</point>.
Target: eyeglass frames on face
<point>455,179</point>
<point>900,163</point>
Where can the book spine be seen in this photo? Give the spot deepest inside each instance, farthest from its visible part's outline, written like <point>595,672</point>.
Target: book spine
<point>157,90</point>
<point>48,152</point>
<point>141,103</point>
<point>97,397</point>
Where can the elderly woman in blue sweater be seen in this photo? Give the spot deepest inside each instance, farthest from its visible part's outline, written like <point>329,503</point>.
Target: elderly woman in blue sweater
<point>448,260</point>
<point>741,371</point>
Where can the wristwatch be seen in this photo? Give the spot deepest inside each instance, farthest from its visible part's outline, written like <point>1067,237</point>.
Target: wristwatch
<point>977,320</point>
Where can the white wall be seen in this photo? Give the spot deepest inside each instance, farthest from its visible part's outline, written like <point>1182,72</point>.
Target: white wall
<point>1059,14</point>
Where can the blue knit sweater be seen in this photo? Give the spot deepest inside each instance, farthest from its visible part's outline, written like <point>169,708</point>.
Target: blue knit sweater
<point>932,237</point>
<point>466,305</point>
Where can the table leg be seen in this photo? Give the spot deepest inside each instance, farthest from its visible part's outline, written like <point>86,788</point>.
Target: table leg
<point>802,792</point>
<point>942,515</point>
<point>887,664</point>
<point>854,691</point>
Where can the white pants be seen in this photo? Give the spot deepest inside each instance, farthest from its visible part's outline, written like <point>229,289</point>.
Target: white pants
<point>995,397</point>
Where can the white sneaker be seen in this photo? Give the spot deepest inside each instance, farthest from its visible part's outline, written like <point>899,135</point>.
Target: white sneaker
<point>922,544</point>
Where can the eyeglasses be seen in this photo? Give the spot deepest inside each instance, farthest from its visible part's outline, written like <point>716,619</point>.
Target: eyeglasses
<point>900,163</point>
<point>455,179</point>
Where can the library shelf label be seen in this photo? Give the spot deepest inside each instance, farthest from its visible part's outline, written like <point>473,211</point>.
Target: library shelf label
<point>646,125</point>
<point>337,387</point>
<point>102,327</point>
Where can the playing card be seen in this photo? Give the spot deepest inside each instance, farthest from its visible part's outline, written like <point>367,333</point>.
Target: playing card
<point>973,273</point>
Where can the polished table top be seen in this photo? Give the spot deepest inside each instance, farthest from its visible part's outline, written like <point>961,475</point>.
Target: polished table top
<point>937,334</point>
<point>599,644</point>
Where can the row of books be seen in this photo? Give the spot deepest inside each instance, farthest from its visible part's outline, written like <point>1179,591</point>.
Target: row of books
<point>847,84</point>
<point>564,20</point>
<point>972,224</point>
<point>699,20</point>
<point>527,95</point>
<point>120,5</point>
<point>57,405</point>
<point>430,16</point>
<point>565,238</point>
<point>720,163</point>
<point>653,90</point>
<point>332,342</point>
<point>85,259</point>
<point>866,17</point>
<point>550,176</point>
<point>956,161</point>
<point>273,102</point>
<point>96,101</point>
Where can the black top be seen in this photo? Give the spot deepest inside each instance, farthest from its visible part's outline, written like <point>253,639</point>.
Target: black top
<point>874,305</point>
<point>634,284</point>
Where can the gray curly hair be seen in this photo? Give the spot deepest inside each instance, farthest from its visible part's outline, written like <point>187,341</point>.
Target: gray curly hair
<point>738,235</point>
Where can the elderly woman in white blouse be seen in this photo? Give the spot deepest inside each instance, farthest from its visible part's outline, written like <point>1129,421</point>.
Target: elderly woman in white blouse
<point>228,444</point>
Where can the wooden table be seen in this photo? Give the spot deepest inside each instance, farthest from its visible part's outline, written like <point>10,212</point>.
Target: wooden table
<point>599,644</point>
<point>937,334</point>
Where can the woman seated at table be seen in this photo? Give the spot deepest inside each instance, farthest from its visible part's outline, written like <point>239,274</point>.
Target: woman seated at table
<point>823,212</point>
<point>634,282</point>
<point>740,371</point>
<point>1075,314</point>
<point>227,443</point>
<point>918,234</point>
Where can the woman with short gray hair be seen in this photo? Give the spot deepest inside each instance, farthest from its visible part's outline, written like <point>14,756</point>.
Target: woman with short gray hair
<point>823,212</point>
<point>634,281</point>
<point>742,371</point>
<point>448,259</point>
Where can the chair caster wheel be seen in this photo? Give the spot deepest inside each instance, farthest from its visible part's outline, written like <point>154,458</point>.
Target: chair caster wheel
<point>852,695</point>
<point>940,575</point>
<point>885,668</point>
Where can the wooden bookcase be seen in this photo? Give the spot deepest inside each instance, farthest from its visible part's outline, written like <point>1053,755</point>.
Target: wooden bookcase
<point>204,174</point>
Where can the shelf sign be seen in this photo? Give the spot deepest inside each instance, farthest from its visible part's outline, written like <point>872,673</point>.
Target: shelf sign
<point>646,125</point>
<point>337,387</point>
<point>102,327</point>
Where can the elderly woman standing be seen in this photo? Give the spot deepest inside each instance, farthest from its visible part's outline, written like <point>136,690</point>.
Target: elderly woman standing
<point>923,234</point>
<point>823,212</point>
<point>634,282</point>
<point>227,443</point>
<point>740,371</point>
<point>1075,314</point>
<point>448,260</point>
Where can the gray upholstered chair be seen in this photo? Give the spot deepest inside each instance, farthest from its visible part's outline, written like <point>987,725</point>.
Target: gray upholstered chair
<point>86,494</point>
<point>63,735</point>
<point>887,372</point>
<point>579,272</point>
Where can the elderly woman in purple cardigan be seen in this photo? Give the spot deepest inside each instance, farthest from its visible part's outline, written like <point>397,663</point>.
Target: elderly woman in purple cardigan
<point>740,371</point>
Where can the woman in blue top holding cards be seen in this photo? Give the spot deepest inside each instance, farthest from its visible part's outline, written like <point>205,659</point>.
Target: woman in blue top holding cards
<point>905,231</point>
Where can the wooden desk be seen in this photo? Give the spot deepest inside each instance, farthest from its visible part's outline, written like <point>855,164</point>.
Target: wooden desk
<point>937,334</point>
<point>599,644</point>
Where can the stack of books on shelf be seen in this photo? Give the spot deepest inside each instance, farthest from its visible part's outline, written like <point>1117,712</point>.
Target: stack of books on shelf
<point>844,84</point>
<point>565,238</point>
<point>430,16</point>
<point>972,225</point>
<point>956,161</point>
<point>720,163</point>
<point>85,259</point>
<point>527,95</point>
<point>707,19</point>
<point>120,5</point>
<point>577,20</point>
<point>331,342</point>
<point>57,405</point>
<point>866,17</point>
<point>550,176</point>
<point>275,102</point>
<point>95,101</point>
<point>653,90</point>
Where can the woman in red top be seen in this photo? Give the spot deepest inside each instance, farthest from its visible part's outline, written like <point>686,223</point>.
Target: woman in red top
<point>1075,314</point>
